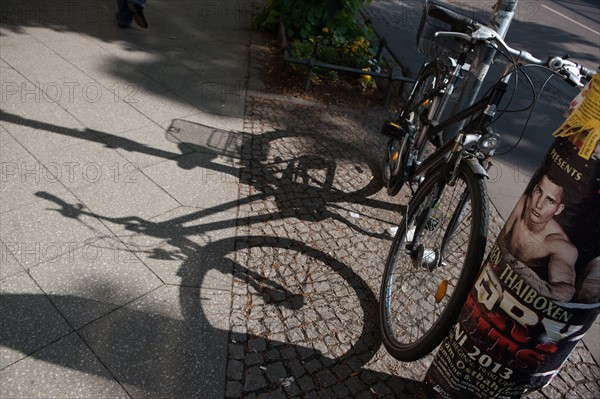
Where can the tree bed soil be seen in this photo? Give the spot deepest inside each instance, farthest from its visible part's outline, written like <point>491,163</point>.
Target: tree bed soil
<point>281,77</point>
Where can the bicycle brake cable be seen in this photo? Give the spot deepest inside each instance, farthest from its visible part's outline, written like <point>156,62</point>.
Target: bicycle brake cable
<point>534,104</point>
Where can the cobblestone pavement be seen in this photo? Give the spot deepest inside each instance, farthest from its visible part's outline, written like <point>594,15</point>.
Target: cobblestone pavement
<point>310,252</point>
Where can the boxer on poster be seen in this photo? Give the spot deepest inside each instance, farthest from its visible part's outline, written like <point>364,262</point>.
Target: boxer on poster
<point>540,250</point>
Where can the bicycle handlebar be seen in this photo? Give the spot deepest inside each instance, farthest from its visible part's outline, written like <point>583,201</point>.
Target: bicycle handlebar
<point>452,18</point>
<point>571,71</point>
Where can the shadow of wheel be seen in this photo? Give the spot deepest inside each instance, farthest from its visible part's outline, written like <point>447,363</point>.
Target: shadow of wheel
<point>315,298</point>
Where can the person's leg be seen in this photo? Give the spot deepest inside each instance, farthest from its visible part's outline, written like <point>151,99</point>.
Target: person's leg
<point>137,8</point>
<point>124,14</point>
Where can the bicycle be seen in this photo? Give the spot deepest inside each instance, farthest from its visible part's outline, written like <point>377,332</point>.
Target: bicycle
<point>439,246</point>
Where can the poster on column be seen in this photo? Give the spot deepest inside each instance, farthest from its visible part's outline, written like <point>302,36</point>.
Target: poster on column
<point>539,289</point>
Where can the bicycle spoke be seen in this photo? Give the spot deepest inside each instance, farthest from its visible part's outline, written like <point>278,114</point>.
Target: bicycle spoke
<point>425,272</point>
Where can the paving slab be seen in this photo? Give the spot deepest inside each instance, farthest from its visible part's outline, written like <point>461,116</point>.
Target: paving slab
<point>187,246</point>
<point>9,265</point>
<point>198,179</point>
<point>219,98</point>
<point>43,65</point>
<point>146,146</point>
<point>158,104</point>
<point>164,344</point>
<point>72,46</point>
<point>94,279</point>
<point>130,197</point>
<point>128,86</point>
<point>24,177</point>
<point>66,368</point>
<point>10,37</point>
<point>94,117</point>
<point>46,128</point>
<point>48,227</point>
<point>29,321</point>
<point>227,123</point>
<point>206,139</point>
<point>85,163</point>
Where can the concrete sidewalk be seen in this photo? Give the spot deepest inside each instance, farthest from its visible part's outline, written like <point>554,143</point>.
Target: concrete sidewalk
<point>116,227</point>
<point>170,230</point>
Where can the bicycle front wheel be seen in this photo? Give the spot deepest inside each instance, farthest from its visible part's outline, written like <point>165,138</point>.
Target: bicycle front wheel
<point>433,261</point>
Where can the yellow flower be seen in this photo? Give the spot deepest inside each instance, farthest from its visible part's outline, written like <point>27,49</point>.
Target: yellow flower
<point>326,29</point>
<point>366,77</point>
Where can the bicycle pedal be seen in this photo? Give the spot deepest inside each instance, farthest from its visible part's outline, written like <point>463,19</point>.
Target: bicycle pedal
<point>393,130</point>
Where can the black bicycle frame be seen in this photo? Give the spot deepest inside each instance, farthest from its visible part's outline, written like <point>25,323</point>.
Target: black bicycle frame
<point>486,107</point>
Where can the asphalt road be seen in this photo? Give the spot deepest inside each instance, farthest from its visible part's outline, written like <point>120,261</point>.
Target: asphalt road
<point>544,28</point>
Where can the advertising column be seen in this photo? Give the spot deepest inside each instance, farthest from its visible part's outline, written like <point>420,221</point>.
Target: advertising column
<point>539,289</point>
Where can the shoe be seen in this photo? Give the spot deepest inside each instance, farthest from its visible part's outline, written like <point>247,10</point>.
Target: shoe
<point>138,14</point>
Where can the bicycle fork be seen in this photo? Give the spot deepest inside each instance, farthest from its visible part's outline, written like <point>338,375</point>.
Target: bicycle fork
<point>431,216</point>
<point>427,219</point>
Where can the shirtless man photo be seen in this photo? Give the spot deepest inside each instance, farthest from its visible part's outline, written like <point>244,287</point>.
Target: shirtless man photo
<point>543,254</point>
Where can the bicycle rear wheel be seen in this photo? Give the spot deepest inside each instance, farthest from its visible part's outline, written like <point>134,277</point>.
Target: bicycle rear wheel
<point>432,80</point>
<point>432,263</point>
<point>425,97</point>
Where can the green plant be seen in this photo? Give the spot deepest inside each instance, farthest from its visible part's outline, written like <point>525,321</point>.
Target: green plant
<point>328,31</point>
<point>302,49</point>
<point>334,48</point>
<point>306,18</point>
<point>301,17</point>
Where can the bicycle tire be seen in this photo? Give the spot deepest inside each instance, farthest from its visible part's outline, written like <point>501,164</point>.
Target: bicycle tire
<point>412,322</point>
<point>431,79</point>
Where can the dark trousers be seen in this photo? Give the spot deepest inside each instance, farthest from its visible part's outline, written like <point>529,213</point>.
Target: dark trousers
<point>124,14</point>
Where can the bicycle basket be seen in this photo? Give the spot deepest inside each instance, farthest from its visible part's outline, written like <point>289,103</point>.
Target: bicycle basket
<point>433,46</point>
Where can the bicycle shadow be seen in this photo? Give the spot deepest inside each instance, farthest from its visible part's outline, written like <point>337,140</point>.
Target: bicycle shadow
<point>307,175</point>
<point>185,250</point>
<point>323,182</point>
<point>157,353</point>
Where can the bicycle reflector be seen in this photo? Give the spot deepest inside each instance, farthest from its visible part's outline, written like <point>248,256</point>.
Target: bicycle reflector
<point>441,291</point>
<point>393,130</point>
